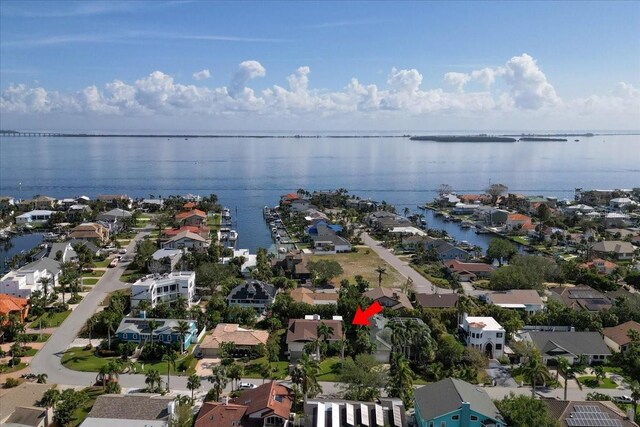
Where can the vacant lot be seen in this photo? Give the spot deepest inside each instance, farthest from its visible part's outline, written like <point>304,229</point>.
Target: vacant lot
<point>364,263</point>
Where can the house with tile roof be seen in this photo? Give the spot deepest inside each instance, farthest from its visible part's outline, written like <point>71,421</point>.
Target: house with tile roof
<point>252,293</point>
<point>617,337</point>
<point>245,340</point>
<point>186,239</point>
<point>194,217</point>
<point>455,403</point>
<point>389,298</point>
<point>303,331</point>
<point>91,232</point>
<point>307,296</point>
<point>602,266</point>
<point>518,222</point>
<point>203,231</point>
<point>10,305</point>
<point>222,414</point>
<point>570,345</point>
<point>587,413</point>
<point>131,410</point>
<point>269,404</point>
<point>469,271</point>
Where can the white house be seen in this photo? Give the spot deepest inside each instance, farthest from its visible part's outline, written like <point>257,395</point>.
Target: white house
<point>168,287</point>
<point>526,300</point>
<point>34,217</point>
<point>484,334</point>
<point>22,282</point>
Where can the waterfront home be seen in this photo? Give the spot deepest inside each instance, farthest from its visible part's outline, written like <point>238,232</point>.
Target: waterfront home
<point>139,331</point>
<point>173,232</point>
<point>381,332</point>
<point>384,220</point>
<point>447,252</point>
<point>330,244</point>
<point>469,271</point>
<point>448,200</point>
<point>152,205</point>
<point>37,217</point>
<point>385,411</point>
<point>294,265</point>
<point>168,287</point>
<point>600,265</point>
<point>301,332</point>
<point>307,296</point>
<point>95,250</point>
<point>114,216</point>
<point>131,410</point>
<point>250,261</point>
<point>165,260</point>
<point>622,203</point>
<point>29,278</point>
<point>116,200</point>
<point>287,199</point>
<point>580,297</point>
<point>19,406</point>
<point>362,205</point>
<point>437,300</point>
<point>194,217</point>
<point>62,252</point>
<point>526,300</point>
<point>464,209</point>
<point>491,216</point>
<point>620,250</point>
<point>518,222</point>
<point>579,209</point>
<point>39,203</point>
<point>455,403</point>
<point>300,205</point>
<point>252,293</point>
<point>91,232</point>
<point>484,334</point>
<point>570,345</point>
<point>10,305</point>
<point>617,337</point>
<point>244,340</point>
<point>323,228</point>
<point>186,239</point>
<point>587,413</point>
<point>615,219</point>
<point>389,298</point>
<point>475,199</point>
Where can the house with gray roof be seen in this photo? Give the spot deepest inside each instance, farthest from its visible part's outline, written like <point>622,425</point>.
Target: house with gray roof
<point>570,345</point>
<point>617,249</point>
<point>131,410</point>
<point>139,331</point>
<point>22,282</point>
<point>18,406</point>
<point>62,252</point>
<point>252,293</point>
<point>455,403</point>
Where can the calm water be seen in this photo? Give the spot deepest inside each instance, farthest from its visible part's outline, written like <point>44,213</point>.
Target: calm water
<point>17,245</point>
<point>248,174</point>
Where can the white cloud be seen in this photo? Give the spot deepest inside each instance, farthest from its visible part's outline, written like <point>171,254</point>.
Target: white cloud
<point>202,75</point>
<point>519,89</point>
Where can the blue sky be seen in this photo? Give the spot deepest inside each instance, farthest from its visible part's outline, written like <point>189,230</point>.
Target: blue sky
<point>582,59</point>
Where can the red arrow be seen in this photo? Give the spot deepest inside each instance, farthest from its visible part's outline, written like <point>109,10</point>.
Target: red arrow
<point>362,317</point>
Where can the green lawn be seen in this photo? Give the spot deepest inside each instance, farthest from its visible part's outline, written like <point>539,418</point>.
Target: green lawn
<point>94,273</point>
<point>4,369</point>
<point>520,239</point>
<point>252,368</point>
<point>591,382</point>
<point>102,264</point>
<point>90,281</point>
<point>214,221</point>
<point>329,369</point>
<point>79,359</point>
<point>81,413</point>
<point>364,263</point>
<point>50,319</point>
<point>131,276</point>
<point>39,337</point>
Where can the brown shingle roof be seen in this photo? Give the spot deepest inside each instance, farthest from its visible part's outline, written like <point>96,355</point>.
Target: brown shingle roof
<point>307,296</point>
<point>267,399</point>
<point>618,334</point>
<point>231,332</point>
<point>131,407</point>
<point>515,296</point>
<point>401,299</point>
<point>307,330</point>
<point>470,267</point>
<point>437,300</point>
<point>215,414</point>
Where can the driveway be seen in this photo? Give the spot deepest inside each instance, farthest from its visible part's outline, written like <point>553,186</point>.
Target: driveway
<point>500,375</point>
<point>420,283</point>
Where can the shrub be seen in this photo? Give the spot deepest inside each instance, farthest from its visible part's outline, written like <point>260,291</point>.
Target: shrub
<point>184,363</point>
<point>15,361</point>
<point>11,382</point>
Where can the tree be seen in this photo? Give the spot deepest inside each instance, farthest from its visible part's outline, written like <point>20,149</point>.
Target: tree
<point>305,376</point>
<point>69,401</point>
<point>600,373</point>
<point>380,270</point>
<point>50,398</point>
<point>153,380</point>
<point>495,190</point>
<point>113,388</point>
<point>183,415</point>
<point>400,382</point>
<point>153,325</point>
<point>42,378</point>
<point>170,358</point>
<point>219,380</point>
<point>235,372</point>
<point>635,396</point>
<point>501,249</point>
<point>525,411</point>
<point>193,383</point>
<point>324,333</point>
<point>182,329</point>
<point>567,370</point>
<point>535,372</point>
<point>362,378</point>
<point>324,270</point>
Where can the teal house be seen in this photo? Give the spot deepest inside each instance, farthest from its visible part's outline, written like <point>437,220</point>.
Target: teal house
<point>455,403</point>
<point>139,331</point>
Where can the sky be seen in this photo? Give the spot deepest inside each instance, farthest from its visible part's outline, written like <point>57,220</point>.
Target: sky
<point>289,66</point>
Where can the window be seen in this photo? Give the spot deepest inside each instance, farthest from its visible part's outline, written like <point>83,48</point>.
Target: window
<point>135,336</point>
<point>431,424</point>
<point>498,346</point>
<point>443,424</point>
<point>455,417</point>
<point>473,334</point>
<point>499,335</point>
<point>474,418</point>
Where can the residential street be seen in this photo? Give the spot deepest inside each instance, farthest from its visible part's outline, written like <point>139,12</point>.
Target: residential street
<point>420,283</point>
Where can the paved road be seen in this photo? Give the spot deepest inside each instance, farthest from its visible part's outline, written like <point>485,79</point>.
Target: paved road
<point>47,360</point>
<point>420,283</point>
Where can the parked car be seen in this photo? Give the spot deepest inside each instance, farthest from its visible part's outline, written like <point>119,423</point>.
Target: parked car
<point>246,386</point>
<point>622,399</point>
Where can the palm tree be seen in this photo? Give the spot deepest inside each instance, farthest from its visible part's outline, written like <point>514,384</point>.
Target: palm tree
<point>193,383</point>
<point>110,322</point>
<point>219,380</point>
<point>599,373</point>
<point>635,396</point>
<point>534,370</point>
<point>114,368</point>
<point>42,378</point>
<point>50,398</point>
<point>170,358</point>
<point>182,329</point>
<point>153,380</point>
<point>323,332</point>
<point>91,322</point>
<point>305,375</point>
<point>113,388</point>
<point>400,382</point>
<point>45,281</point>
<point>380,270</point>
<point>153,325</point>
<point>235,372</point>
<point>564,367</point>
<point>102,376</point>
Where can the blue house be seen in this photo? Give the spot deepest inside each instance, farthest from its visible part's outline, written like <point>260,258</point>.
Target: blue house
<point>455,403</point>
<point>138,331</point>
<point>322,228</point>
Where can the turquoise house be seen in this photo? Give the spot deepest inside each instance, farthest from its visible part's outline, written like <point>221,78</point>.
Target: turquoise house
<point>455,403</point>
<point>138,331</point>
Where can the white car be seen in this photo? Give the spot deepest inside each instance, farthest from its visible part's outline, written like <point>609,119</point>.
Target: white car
<point>246,386</point>
<point>622,399</point>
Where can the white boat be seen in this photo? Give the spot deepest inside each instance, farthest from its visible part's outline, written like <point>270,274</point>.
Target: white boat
<point>233,235</point>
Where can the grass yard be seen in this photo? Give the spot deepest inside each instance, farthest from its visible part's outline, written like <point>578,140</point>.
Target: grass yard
<point>81,413</point>
<point>89,281</point>
<point>4,369</point>
<point>424,272</point>
<point>35,337</point>
<point>79,359</point>
<point>214,221</point>
<point>591,382</point>
<point>330,369</point>
<point>252,369</point>
<point>102,264</point>
<point>50,319</point>
<point>131,276</point>
<point>93,273</point>
<point>364,263</point>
